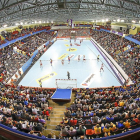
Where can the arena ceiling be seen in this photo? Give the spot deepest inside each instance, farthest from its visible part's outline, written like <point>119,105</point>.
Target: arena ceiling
<point>13,11</point>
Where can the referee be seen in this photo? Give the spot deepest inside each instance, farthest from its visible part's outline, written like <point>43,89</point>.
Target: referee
<point>40,83</point>
<point>98,57</point>
<point>68,74</point>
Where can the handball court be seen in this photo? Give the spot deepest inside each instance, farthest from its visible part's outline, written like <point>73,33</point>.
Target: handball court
<point>86,72</point>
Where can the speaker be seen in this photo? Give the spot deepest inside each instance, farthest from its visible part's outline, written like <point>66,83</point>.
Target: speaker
<point>121,28</point>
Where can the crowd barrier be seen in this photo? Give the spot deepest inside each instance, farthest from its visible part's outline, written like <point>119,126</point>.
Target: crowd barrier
<point>132,39</point>
<point>104,30</point>
<point>15,135</point>
<point>29,62</point>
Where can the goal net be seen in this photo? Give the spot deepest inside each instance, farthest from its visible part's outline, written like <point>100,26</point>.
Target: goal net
<point>66,83</point>
<point>73,34</point>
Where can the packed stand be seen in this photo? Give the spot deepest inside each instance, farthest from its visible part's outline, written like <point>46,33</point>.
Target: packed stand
<point>28,45</point>
<point>13,59</point>
<point>25,109</point>
<point>118,48</point>
<point>136,36</point>
<point>10,62</point>
<point>15,34</point>
<point>78,32</point>
<point>102,112</point>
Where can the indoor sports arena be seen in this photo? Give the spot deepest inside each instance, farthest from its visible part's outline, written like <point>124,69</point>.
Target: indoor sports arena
<point>70,69</point>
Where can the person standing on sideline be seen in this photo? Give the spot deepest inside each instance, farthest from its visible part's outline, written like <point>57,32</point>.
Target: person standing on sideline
<point>68,74</point>
<point>98,58</point>
<point>40,83</point>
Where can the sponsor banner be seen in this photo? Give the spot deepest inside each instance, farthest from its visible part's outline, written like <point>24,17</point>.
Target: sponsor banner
<point>81,57</point>
<point>118,33</point>
<point>67,45</point>
<point>46,77</point>
<point>63,56</point>
<point>71,56</point>
<point>88,80</point>
<point>71,49</point>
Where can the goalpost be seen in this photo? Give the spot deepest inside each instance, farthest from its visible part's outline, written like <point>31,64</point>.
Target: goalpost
<point>73,34</point>
<point>66,83</point>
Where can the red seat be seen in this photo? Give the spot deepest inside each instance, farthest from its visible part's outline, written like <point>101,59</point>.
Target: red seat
<point>90,132</point>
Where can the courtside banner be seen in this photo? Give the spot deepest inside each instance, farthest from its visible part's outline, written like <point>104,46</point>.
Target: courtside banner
<point>46,77</point>
<point>88,80</point>
<point>63,56</point>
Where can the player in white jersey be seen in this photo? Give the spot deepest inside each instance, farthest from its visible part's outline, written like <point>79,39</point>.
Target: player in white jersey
<point>62,61</point>
<point>84,58</point>
<point>41,64</point>
<point>78,58</point>
<point>102,67</point>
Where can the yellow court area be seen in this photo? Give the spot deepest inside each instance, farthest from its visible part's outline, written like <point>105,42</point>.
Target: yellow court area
<point>66,40</point>
<point>71,49</point>
<point>46,77</point>
<point>63,56</point>
<point>67,45</point>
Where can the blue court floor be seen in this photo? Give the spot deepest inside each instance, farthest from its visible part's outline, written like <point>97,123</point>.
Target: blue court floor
<point>87,73</point>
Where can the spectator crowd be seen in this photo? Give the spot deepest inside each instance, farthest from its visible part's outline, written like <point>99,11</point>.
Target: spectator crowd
<point>99,113</point>
<point>123,51</point>
<point>95,113</point>
<point>14,56</point>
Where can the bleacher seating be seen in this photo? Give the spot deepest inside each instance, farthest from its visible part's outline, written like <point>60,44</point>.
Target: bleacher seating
<point>95,113</point>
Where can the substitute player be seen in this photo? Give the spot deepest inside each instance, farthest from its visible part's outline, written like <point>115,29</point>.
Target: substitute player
<point>51,62</point>
<point>78,58</point>
<point>102,67</point>
<point>40,63</point>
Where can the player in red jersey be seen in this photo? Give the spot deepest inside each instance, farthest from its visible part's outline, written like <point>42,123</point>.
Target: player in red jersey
<point>102,67</point>
<point>40,63</point>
